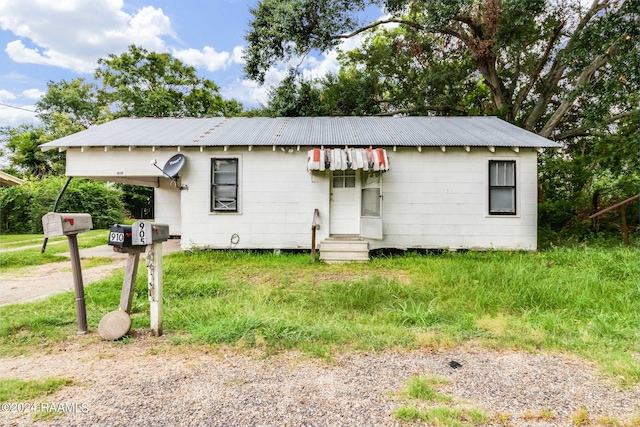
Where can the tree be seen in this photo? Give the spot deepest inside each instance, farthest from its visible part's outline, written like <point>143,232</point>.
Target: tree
<point>69,107</point>
<point>23,144</point>
<point>348,93</point>
<point>543,63</point>
<point>138,83</point>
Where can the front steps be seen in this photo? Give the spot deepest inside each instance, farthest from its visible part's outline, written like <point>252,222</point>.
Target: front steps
<point>344,248</point>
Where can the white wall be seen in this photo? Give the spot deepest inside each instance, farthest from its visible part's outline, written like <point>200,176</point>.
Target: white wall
<point>277,197</point>
<point>167,207</point>
<point>431,199</point>
<point>435,199</point>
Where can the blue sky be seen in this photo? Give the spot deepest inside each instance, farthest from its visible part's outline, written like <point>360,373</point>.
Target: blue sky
<point>51,40</point>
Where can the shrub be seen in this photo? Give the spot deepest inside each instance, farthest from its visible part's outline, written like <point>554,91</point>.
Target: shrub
<point>22,208</point>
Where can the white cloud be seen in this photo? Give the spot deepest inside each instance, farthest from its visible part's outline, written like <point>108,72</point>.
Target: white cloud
<point>73,34</point>
<point>5,95</point>
<point>32,93</point>
<point>236,55</point>
<point>250,93</point>
<point>14,117</point>
<point>207,57</point>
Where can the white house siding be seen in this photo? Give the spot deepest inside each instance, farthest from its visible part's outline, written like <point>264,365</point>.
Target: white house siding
<point>122,165</point>
<point>435,199</point>
<point>431,199</point>
<point>277,198</point>
<point>167,206</point>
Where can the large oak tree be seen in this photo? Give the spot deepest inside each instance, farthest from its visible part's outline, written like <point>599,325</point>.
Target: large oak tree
<point>557,68</point>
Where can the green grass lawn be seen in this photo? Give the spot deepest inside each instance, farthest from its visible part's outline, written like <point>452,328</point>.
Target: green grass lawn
<point>31,256</point>
<point>581,300</point>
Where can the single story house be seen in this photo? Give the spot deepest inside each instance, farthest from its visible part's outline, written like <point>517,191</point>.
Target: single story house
<point>372,182</point>
<point>7,180</point>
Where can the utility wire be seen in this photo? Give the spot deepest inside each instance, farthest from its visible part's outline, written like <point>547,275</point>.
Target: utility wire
<point>17,108</point>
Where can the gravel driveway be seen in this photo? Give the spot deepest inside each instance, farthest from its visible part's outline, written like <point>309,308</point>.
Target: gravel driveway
<point>149,382</point>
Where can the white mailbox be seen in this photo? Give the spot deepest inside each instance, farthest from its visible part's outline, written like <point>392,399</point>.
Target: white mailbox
<point>64,224</point>
<point>148,233</point>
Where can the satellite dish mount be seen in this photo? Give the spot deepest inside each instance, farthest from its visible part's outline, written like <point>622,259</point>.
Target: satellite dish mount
<point>172,169</point>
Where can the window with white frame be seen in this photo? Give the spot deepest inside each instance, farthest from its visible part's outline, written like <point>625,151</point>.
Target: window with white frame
<point>224,185</point>
<point>502,187</point>
<point>344,179</point>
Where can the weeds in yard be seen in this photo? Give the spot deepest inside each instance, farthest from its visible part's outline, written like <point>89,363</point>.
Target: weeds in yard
<point>581,417</point>
<point>634,421</point>
<point>424,388</point>
<point>14,390</point>
<point>542,415</point>
<point>609,421</point>
<point>503,419</point>
<point>583,301</point>
<point>442,416</point>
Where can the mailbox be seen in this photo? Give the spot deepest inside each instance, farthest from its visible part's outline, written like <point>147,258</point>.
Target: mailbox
<point>148,233</point>
<point>64,224</point>
<point>120,236</point>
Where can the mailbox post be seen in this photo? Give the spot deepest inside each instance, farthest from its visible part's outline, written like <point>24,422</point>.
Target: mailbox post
<point>116,324</point>
<point>152,234</point>
<point>70,224</point>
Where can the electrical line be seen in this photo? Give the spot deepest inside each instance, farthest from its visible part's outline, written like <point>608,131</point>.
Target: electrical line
<point>17,108</point>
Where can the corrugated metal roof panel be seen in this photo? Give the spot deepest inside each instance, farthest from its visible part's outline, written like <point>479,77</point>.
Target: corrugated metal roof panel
<point>306,131</point>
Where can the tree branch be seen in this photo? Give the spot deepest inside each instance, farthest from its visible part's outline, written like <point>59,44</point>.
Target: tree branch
<point>377,24</point>
<point>584,130</point>
<point>533,78</point>
<point>556,72</point>
<point>583,79</point>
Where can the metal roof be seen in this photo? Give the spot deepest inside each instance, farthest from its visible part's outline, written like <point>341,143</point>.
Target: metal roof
<point>305,131</point>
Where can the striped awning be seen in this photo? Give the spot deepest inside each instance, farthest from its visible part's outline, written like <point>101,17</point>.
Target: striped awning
<point>368,159</point>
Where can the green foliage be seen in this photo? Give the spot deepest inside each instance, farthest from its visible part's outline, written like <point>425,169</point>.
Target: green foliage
<point>14,390</point>
<point>442,416</point>
<point>22,208</point>
<point>23,146</point>
<point>424,388</point>
<point>281,29</point>
<point>139,83</point>
<point>70,107</point>
<point>138,200</point>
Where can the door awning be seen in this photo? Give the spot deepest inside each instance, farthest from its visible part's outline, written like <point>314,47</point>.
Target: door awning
<point>368,159</point>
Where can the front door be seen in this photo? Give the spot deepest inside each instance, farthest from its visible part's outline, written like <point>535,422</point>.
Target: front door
<point>345,202</point>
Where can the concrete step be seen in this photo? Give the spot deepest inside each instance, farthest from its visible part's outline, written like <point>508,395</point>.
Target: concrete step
<point>334,250</point>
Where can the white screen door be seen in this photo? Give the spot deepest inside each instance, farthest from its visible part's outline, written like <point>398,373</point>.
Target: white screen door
<point>371,206</point>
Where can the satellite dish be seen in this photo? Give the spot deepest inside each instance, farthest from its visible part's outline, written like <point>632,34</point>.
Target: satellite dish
<point>172,168</point>
<point>173,165</point>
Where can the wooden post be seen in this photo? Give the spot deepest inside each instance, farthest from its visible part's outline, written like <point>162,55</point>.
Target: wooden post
<point>154,267</point>
<point>313,243</point>
<point>625,229</point>
<point>315,224</point>
<point>129,282</point>
<point>78,286</point>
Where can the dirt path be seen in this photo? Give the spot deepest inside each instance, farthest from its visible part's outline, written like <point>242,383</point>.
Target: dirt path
<point>35,283</point>
<point>26,284</point>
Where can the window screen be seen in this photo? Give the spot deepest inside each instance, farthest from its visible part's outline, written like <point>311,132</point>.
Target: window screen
<point>502,187</point>
<point>224,185</point>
